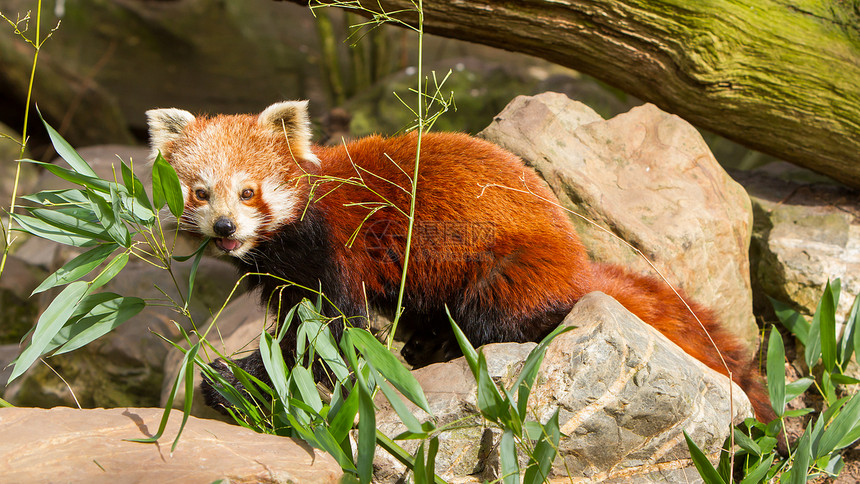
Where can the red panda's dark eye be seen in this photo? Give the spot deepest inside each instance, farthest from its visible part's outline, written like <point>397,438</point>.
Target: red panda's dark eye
<point>247,194</point>
<point>201,195</point>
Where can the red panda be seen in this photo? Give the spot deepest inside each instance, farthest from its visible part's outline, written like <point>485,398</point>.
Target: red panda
<point>486,243</point>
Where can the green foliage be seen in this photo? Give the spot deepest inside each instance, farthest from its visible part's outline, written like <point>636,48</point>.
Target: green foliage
<point>115,222</point>
<point>816,453</point>
<point>20,27</point>
<point>538,441</point>
<point>359,366</point>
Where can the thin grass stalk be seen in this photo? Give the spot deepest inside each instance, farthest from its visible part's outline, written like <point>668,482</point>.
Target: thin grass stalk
<point>420,112</point>
<point>37,45</point>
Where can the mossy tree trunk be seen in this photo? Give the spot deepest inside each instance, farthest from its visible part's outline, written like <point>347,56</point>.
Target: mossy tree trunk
<point>779,76</point>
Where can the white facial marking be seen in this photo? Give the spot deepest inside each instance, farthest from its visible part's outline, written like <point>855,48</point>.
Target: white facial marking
<point>285,205</point>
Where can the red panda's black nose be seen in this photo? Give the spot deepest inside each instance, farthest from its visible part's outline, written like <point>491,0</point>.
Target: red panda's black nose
<point>224,227</point>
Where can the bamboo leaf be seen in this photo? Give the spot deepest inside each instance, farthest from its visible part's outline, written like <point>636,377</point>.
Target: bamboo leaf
<point>40,228</point>
<point>113,268</point>
<point>186,369</point>
<point>843,423</point>
<point>508,457</point>
<point>835,291</point>
<point>826,315</point>
<point>366,433</point>
<point>776,371</point>
<point>192,274</point>
<point>797,387</point>
<point>65,150</point>
<point>48,325</point>
<point>489,399</point>
<point>166,187</point>
<point>137,201</point>
<point>93,182</point>
<point>703,465</point>
<point>418,471</point>
<point>397,452</point>
<point>828,389</point>
<point>189,394</point>
<point>75,220</point>
<point>822,421</point>
<point>841,379</point>
<point>798,412</point>
<point>745,442</point>
<point>315,330</point>
<point>304,382</point>
<point>70,215</point>
<point>527,375</point>
<point>341,422</point>
<point>544,454</point>
<point>405,415</point>
<point>386,363</point>
<point>200,248</point>
<point>114,227</point>
<point>508,415</point>
<point>758,473</point>
<point>850,437</point>
<point>328,443</point>
<point>58,197</point>
<point>849,335</point>
<point>432,450</point>
<point>834,465</point>
<point>276,368</point>
<point>792,320</point>
<point>724,465</point>
<point>802,459</point>
<point>99,321</point>
<point>465,346</point>
<point>77,267</point>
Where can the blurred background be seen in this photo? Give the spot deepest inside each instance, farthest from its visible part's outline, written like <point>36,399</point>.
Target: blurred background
<point>109,61</point>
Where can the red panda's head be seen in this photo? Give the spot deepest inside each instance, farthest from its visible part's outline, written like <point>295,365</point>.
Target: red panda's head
<point>241,175</point>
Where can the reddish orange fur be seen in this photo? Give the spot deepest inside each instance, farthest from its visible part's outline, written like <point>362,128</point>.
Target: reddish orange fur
<point>654,302</point>
<point>514,284</point>
<point>456,183</point>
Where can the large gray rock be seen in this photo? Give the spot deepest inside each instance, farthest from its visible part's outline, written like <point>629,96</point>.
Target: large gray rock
<point>91,446</point>
<point>804,235</point>
<point>625,395</point>
<point>648,177</point>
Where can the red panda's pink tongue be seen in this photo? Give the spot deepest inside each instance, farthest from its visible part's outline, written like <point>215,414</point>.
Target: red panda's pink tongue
<point>227,245</point>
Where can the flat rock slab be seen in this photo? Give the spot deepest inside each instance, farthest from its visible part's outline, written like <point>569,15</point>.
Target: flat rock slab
<point>70,445</point>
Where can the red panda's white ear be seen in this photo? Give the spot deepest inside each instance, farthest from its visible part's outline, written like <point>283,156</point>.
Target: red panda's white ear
<point>165,125</point>
<point>290,119</point>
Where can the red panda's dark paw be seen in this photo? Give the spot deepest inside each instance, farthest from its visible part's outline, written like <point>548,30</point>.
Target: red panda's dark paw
<point>427,347</point>
<point>252,364</point>
<point>211,395</point>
